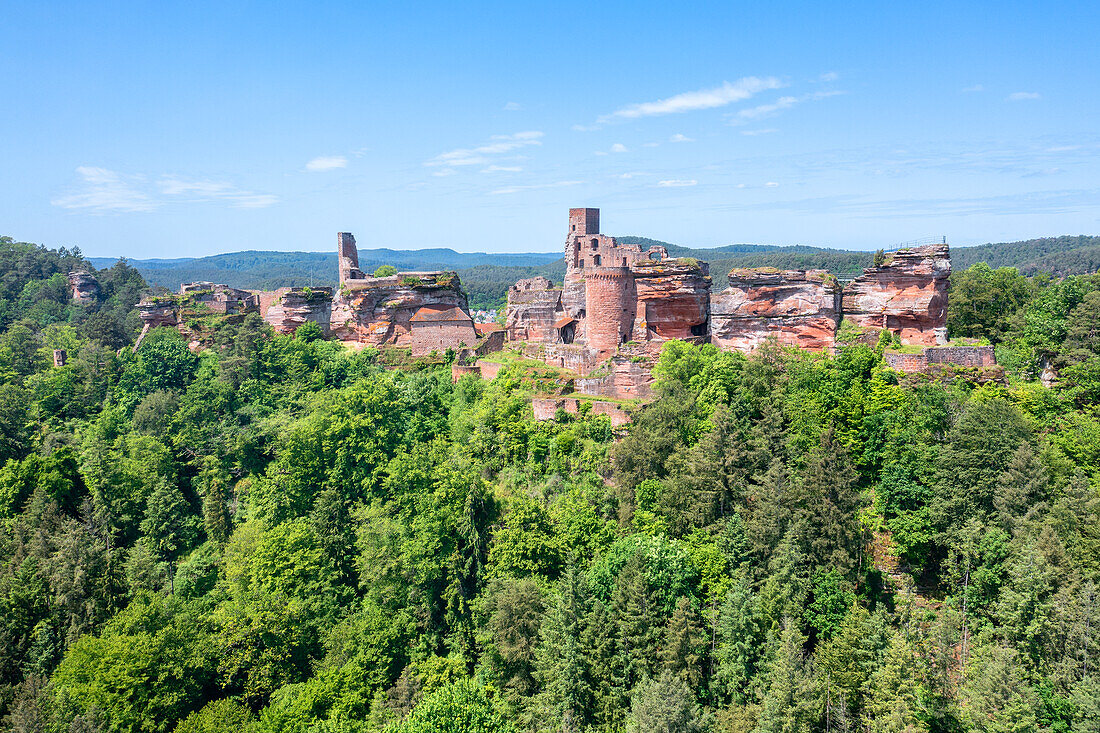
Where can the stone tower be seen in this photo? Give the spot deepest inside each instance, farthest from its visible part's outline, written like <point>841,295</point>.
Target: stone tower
<point>347,255</point>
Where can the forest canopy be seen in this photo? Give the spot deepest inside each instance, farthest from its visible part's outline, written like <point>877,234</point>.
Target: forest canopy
<point>275,533</point>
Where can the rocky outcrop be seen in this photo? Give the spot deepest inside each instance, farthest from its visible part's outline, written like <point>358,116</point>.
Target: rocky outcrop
<point>292,307</point>
<point>907,295</point>
<point>425,311</point>
<point>84,286</point>
<point>672,299</point>
<point>157,311</point>
<point>796,307</point>
<point>534,311</point>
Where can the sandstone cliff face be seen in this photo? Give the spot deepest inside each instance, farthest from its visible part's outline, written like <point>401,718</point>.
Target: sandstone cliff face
<point>534,308</point>
<point>292,307</point>
<point>908,295</point>
<point>85,287</point>
<point>797,307</point>
<point>672,300</point>
<point>380,310</point>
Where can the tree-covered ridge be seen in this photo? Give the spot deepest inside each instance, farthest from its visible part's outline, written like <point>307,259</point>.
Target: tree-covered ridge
<point>1053,255</point>
<point>278,534</point>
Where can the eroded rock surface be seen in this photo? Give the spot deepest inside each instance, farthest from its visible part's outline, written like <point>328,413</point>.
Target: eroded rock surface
<point>672,300</point>
<point>796,307</point>
<point>292,307</point>
<point>85,287</point>
<point>425,311</point>
<point>907,295</point>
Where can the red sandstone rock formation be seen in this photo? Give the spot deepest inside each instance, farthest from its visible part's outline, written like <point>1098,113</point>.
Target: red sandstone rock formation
<point>908,295</point>
<point>672,300</point>
<point>797,307</point>
<point>85,287</point>
<point>293,307</point>
<point>381,311</point>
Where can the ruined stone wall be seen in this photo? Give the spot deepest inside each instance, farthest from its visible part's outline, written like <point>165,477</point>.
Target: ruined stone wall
<point>347,256</point>
<point>971,356</point>
<point>907,296</point>
<point>424,338</point>
<point>546,408</point>
<point>609,300</point>
<point>534,307</point>
<point>796,307</point>
<point>379,310</point>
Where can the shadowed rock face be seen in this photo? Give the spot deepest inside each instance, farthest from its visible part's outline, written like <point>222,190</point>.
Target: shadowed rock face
<point>85,287</point>
<point>797,307</point>
<point>908,295</point>
<point>673,298</point>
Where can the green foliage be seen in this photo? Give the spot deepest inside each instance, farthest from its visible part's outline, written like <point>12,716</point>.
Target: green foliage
<point>385,271</point>
<point>279,534</point>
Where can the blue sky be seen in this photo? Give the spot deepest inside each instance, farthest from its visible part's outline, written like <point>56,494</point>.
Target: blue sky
<point>184,129</point>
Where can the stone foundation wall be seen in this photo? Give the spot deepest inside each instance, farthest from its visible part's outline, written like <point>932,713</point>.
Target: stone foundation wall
<point>547,409</point>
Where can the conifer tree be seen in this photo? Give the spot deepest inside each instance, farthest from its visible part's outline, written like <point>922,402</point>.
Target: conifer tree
<point>685,644</point>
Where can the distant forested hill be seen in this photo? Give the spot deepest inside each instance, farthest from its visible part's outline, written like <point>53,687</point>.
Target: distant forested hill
<point>487,277</point>
<point>261,270</point>
<point>1059,255</point>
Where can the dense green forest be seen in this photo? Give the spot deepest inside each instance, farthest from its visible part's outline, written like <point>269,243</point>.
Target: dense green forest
<point>279,534</point>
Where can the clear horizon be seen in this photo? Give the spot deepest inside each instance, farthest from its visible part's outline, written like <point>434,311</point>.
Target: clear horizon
<point>172,132</point>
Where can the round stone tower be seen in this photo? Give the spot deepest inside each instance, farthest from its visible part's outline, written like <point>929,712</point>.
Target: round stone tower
<point>609,303</point>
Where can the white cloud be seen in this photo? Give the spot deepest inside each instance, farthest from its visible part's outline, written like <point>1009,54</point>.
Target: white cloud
<point>765,131</point>
<point>327,163</point>
<point>678,138</point>
<point>498,145</point>
<point>198,191</point>
<point>502,169</point>
<point>1022,96</point>
<point>513,107</point>
<point>697,100</point>
<point>618,148</point>
<point>650,145</point>
<point>783,103</point>
<point>106,191</point>
<point>829,76</point>
<point>676,183</point>
<point>533,187</point>
<point>974,88</point>
<point>444,172</point>
<point>770,184</point>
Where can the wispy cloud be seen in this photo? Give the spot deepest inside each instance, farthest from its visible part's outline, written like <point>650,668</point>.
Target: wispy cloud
<point>618,148</point>
<point>1022,96</point>
<point>765,131</point>
<point>106,191</point>
<point>677,183</point>
<point>678,138</point>
<point>771,108</point>
<point>534,187</point>
<point>701,99</point>
<point>974,88</point>
<point>829,76</point>
<point>502,169</point>
<point>326,163</point>
<point>480,155</point>
<point>204,191</point>
<point>770,184</point>
<point>513,107</point>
